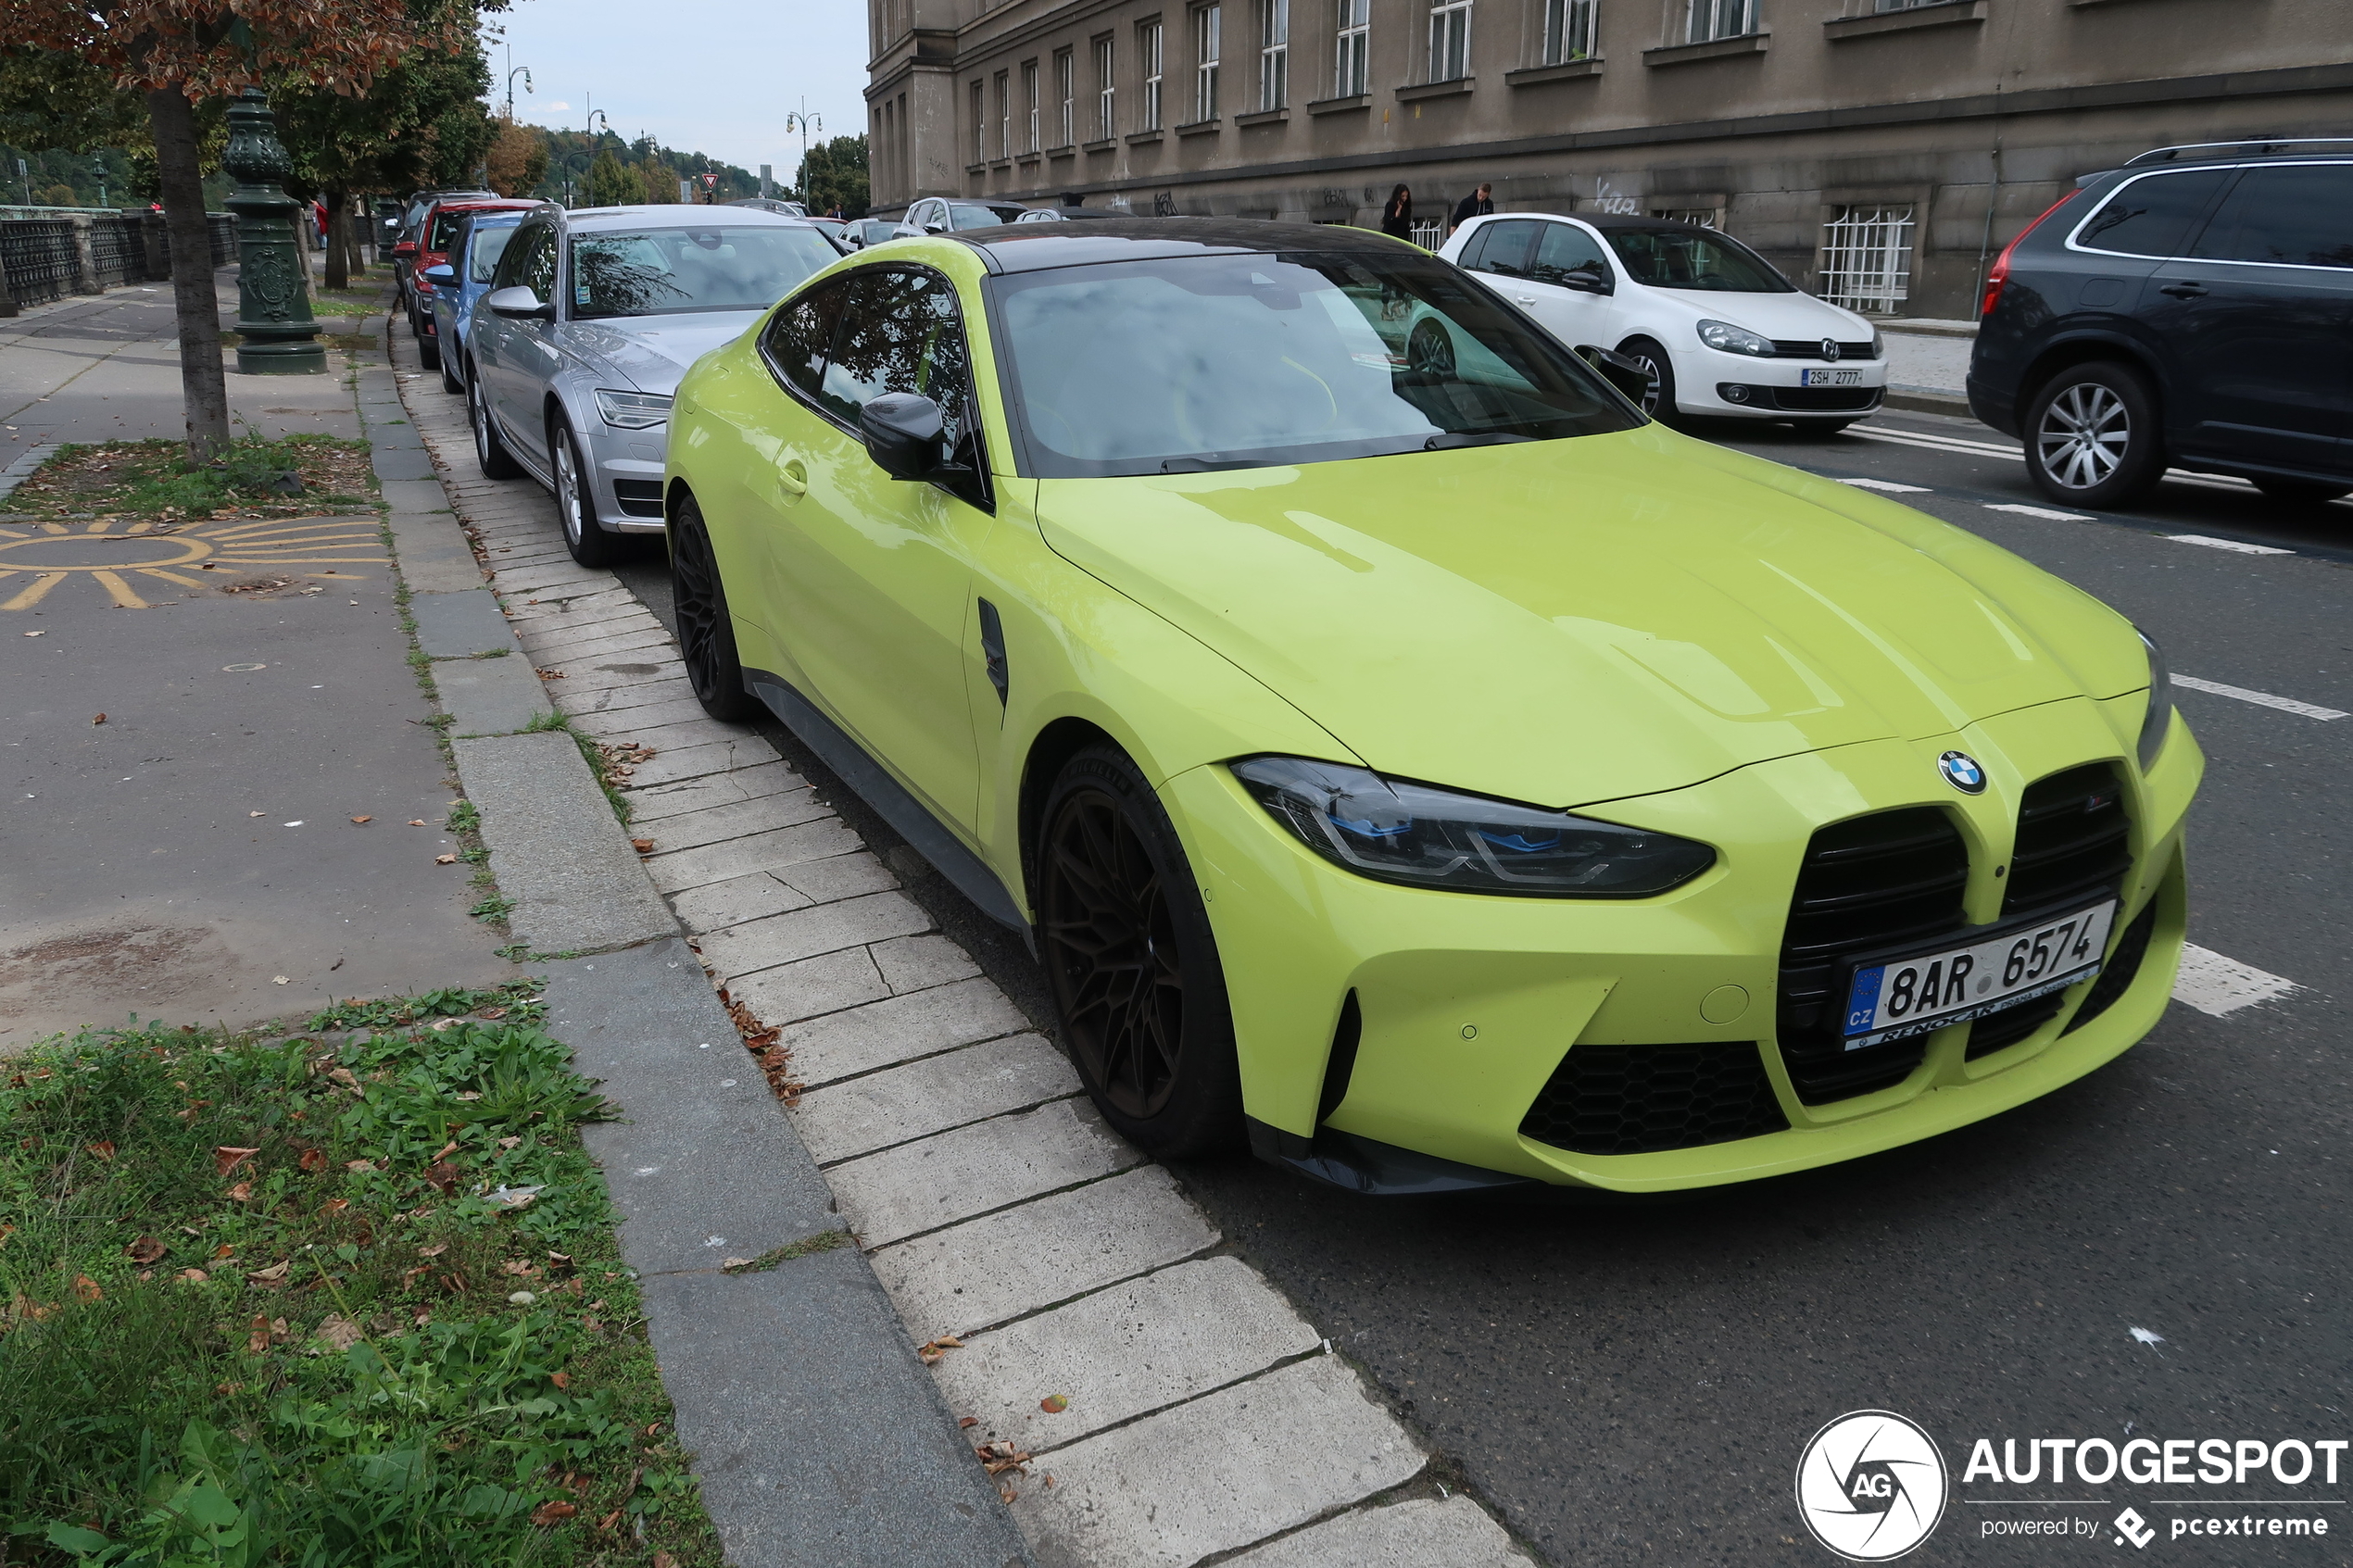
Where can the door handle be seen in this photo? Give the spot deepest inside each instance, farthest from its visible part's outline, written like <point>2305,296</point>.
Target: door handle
<point>1525,298</point>
<point>2183,291</point>
<point>792,478</point>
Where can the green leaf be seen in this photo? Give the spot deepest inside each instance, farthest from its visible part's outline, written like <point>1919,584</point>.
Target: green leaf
<point>73,1537</point>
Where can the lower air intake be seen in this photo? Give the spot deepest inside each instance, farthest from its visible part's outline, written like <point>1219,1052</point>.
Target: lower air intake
<point>1643,1099</point>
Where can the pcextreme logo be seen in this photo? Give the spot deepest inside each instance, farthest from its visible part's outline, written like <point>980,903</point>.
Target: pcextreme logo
<point>1872,1486</point>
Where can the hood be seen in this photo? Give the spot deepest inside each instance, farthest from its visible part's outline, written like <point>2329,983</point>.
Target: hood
<point>1570,622</point>
<point>1773,315</point>
<point>653,352</point>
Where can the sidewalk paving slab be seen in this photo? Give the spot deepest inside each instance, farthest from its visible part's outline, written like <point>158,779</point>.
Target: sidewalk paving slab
<point>491,696</point>
<point>1417,1533</point>
<point>461,624</point>
<point>901,1104</point>
<point>955,1175</point>
<point>556,849</point>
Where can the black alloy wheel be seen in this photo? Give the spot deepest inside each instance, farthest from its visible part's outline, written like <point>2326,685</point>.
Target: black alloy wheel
<point>706,634</point>
<point>1133,966</point>
<point>1659,402</point>
<point>584,536</point>
<point>2092,436</point>
<point>1429,351</point>
<point>489,451</point>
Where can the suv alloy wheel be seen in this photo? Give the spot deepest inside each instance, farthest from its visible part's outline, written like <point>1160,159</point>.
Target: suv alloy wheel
<point>2092,436</point>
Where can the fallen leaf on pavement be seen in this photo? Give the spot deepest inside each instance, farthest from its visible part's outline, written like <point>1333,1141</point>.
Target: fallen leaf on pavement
<point>281,979</point>
<point>931,1352</point>
<point>256,813</point>
<point>1053,1404</point>
<point>548,1513</point>
<point>355,821</point>
<point>99,720</point>
<point>416,822</point>
<point>643,845</point>
<point>969,1421</point>
<point>729,1265</point>
<point>339,1332</point>
<point>271,1277</point>
<point>36,634</point>
<point>226,1157</point>
<point>551,675</point>
<point>87,1288</point>
<point>146,1250</point>
<point>445,860</point>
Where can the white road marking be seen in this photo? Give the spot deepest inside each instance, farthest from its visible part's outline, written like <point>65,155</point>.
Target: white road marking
<point>2215,985</point>
<point>1887,484</point>
<point>2213,543</point>
<point>2044,512</point>
<point>1939,444</point>
<point>2265,700</point>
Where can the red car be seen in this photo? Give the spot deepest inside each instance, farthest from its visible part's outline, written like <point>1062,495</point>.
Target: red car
<point>438,227</point>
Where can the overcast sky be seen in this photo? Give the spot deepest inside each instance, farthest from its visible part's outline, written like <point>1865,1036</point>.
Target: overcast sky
<point>708,76</point>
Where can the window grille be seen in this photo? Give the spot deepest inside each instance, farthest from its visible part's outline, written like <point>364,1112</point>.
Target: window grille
<point>1205,19</point>
<point>1004,114</point>
<point>1106,91</point>
<point>1149,39</point>
<point>980,123</point>
<point>1568,30</point>
<point>1449,40</point>
<point>1866,259</point>
<point>1721,19</point>
<point>1274,54</point>
<point>1030,105</point>
<point>1355,31</point>
<point>1065,92</point>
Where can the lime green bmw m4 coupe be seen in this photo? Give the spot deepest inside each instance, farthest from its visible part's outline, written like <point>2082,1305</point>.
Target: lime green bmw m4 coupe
<point>1399,752</point>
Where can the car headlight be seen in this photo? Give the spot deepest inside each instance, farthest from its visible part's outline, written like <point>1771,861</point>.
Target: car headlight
<point>2158,720</point>
<point>1734,340</point>
<point>1878,345</point>
<point>632,410</point>
<point>1423,836</point>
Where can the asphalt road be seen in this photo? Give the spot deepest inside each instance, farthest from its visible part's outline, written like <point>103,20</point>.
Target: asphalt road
<point>1635,1385</point>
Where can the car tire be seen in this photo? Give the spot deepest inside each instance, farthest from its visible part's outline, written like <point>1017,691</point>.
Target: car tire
<point>429,352</point>
<point>450,381</point>
<point>1132,961</point>
<point>584,536</point>
<point>2092,436</point>
<point>489,451</point>
<point>2302,491</point>
<point>1660,367</point>
<point>706,631</point>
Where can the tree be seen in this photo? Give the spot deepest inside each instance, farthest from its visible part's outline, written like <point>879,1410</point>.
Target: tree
<point>837,176</point>
<point>613,183</point>
<point>516,159</point>
<point>178,53</point>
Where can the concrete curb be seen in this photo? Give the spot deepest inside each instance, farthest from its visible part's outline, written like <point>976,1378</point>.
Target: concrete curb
<point>1920,400</point>
<point>817,1435</point>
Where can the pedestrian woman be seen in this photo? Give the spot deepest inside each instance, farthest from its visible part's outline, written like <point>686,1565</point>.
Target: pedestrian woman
<point>1397,217</point>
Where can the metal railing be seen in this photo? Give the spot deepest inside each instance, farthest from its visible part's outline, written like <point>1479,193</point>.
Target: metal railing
<point>66,251</point>
<point>42,261</point>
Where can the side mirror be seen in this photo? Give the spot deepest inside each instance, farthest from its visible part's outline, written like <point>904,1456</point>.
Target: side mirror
<point>519,304</point>
<point>1618,370</point>
<point>1587,282</point>
<point>905,434</point>
<point>443,276</point>
<point>406,247</point>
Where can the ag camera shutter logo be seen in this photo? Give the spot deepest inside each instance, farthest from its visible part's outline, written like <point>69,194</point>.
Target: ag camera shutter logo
<point>1872,1486</point>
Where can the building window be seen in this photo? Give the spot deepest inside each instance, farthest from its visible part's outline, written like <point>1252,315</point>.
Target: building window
<point>1449,40</point>
<point>1355,29</point>
<point>1148,41</point>
<point>1205,19</point>
<point>1066,89</point>
<point>1902,5</point>
<point>1004,114</point>
<point>1866,259</point>
<point>1722,18</point>
<point>1030,105</point>
<point>1568,30</point>
<point>980,123</point>
<point>1274,54</point>
<point>1106,91</point>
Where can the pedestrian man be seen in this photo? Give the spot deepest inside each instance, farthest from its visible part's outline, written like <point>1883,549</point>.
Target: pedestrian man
<point>1478,204</point>
<point>1397,217</point>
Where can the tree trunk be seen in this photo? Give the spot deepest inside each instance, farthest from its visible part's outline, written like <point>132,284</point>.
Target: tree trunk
<point>354,263</point>
<point>338,223</point>
<point>172,121</point>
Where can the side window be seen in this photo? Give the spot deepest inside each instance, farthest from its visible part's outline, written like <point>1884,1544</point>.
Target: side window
<point>1474,247</point>
<point>483,254</point>
<point>2294,217</point>
<point>2152,215</point>
<point>899,331</point>
<point>798,335</point>
<point>511,266</point>
<point>1567,248</point>
<point>1508,248</point>
<point>539,268</point>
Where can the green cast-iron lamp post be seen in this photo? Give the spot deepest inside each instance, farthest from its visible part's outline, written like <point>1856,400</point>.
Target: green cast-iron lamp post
<point>274,303</point>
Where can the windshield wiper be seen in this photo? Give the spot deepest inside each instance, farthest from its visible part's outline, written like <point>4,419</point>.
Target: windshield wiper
<point>1447,440</point>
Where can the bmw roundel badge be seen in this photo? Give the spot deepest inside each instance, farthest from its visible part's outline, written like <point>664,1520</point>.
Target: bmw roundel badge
<point>1960,770</point>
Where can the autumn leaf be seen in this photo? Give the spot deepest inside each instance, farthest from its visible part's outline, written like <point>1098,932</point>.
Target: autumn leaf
<point>314,1160</point>
<point>1053,1404</point>
<point>241,1193</point>
<point>551,1514</point>
<point>435,1251</point>
<point>145,1250</point>
<point>444,1175</point>
<point>561,1379</point>
<point>339,1332</point>
<point>969,1421</point>
<point>99,720</point>
<point>357,821</point>
<point>643,845</point>
<point>271,1277</point>
<point>358,1164</point>
<point>192,1276</point>
<point>86,1289</point>
<point>333,1207</point>
<point>103,1149</point>
<point>445,860</point>
<point>226,1158</point>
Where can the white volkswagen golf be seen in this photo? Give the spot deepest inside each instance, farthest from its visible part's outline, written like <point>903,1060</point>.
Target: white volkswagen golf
<point>1718,330</point>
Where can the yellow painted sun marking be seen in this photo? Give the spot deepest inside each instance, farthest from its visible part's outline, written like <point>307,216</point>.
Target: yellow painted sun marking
<point>36,558</point>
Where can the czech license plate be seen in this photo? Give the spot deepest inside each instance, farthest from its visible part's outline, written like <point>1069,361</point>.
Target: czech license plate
<point>1829,378</point>
<point>1898,997</point>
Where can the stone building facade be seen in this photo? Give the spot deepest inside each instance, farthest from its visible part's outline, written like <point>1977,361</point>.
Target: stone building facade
<point>1879,151</point>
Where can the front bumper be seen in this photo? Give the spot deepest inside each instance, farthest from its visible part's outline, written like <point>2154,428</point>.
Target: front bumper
<point>625,470</point>
<point>1466,1006</point>
<point>1710,381</point>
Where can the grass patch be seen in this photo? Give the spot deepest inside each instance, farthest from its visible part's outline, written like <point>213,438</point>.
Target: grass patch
<point>517,1002</point>
<point>272,1301</point>
<point>496,907</point>
<point>292,476</point>
<point>348,302</point>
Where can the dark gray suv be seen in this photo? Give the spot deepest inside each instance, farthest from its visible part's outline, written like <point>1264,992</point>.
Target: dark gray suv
<point>2191,309</point>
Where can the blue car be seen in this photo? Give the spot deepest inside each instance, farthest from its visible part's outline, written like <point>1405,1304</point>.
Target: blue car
<point>462,280</point>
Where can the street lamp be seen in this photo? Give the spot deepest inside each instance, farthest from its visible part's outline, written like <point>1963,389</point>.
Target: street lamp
<point>804,122</point>
<point>523,72</point>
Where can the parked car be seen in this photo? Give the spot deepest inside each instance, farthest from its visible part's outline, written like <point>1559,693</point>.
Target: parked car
<point>864,231</point>
<point>1063,215</point>
<point>833,228</point>
<point>1719,328</point>
<point>440,227</point>
<point>592,317</point>
<point>2189,309</point>
<point>938,215</point>
<point>412,232</point>
<point>1445,778</point>
<point>460,282</point>
<point>772,204</point>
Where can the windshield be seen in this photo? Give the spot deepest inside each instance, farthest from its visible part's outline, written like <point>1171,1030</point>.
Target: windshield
<point>1694,259</point>
<point>670,271</point>
<point>1203,362</point>
<point>489,245</point>
<point>963,217</point>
